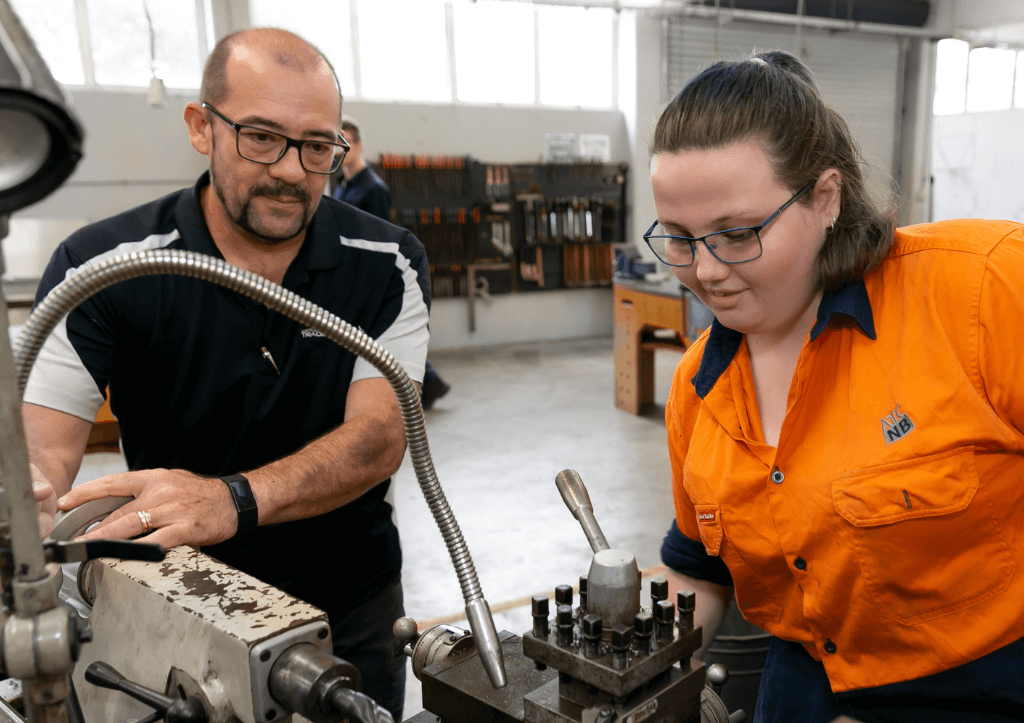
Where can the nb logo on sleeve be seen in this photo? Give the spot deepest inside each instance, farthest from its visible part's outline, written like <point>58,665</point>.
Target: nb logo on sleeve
<point>896,426</point>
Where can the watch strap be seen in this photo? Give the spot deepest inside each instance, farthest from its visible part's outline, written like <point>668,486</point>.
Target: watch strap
<point>245,502</point>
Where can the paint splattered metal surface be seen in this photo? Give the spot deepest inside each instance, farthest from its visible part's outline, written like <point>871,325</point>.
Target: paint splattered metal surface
<point>191,614</point>
<point>237,603</point>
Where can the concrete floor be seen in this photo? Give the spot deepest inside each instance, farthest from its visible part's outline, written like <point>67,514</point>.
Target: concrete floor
<point>515,416</point>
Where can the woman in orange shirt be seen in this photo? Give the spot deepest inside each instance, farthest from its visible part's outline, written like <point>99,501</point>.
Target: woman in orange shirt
<point>847,440</point>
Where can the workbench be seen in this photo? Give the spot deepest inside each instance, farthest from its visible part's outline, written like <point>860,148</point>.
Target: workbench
<point>650,316</point>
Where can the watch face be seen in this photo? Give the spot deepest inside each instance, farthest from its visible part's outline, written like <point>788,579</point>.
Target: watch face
<point>245,502</point>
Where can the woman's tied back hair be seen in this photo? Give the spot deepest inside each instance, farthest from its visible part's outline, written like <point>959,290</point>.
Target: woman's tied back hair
<point>771,99</point>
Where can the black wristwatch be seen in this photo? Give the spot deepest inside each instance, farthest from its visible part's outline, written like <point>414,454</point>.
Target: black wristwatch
<point>245,502</point>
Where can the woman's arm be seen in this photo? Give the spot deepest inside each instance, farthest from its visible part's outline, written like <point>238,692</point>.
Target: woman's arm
<point>712,600</point>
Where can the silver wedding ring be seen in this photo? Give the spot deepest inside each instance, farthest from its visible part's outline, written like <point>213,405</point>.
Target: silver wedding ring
<point>147,521</point>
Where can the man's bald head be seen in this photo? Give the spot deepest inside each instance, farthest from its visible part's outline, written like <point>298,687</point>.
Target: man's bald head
<point>283,47</point>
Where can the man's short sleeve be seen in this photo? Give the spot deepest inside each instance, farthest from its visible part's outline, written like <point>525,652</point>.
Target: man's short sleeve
<point>71,372</point>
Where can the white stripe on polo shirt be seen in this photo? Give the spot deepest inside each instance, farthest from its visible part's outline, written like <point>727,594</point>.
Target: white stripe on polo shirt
<point>407,337</point>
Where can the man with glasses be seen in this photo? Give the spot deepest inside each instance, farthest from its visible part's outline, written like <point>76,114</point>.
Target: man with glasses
<point>247,434</point>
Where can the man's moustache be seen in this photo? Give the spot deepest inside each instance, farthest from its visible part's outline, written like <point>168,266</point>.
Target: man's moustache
<point>299,194</point>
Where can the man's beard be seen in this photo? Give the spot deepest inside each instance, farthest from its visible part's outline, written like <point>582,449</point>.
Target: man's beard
<point>250,220</point>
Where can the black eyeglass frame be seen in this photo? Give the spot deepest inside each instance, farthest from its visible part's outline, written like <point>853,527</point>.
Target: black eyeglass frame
<point>703,239</point>
<point>288,143</point>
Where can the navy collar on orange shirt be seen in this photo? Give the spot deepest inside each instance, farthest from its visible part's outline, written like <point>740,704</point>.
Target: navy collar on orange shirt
<point>723,342</point>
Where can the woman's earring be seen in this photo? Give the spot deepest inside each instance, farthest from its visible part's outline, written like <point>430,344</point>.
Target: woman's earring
<point>833,223</point>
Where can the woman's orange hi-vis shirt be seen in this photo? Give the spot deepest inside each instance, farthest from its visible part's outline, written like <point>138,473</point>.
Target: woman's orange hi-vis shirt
<point>886,531</point>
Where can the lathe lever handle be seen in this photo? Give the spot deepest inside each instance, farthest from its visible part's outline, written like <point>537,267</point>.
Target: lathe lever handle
<point>173,710</point>
<point>574,494</point>
<point>105,676</point>
<point>95,549</point>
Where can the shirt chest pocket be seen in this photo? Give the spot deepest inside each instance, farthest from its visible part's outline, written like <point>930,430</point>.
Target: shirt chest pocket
<point>756,573</point>
<point>926,544</point>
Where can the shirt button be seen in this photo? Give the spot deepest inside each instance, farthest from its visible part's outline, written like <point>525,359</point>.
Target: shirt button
<point>800,563</point>
<point>777,476</point>
<point>830,647</point>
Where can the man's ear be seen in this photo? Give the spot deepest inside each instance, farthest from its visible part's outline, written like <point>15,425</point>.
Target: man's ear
<point>199,129</point>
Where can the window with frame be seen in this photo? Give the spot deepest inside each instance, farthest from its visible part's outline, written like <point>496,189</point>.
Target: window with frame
<point>495,54</point>
<point>973,80</point>
<point>441,51</point>
<point>53,28</point>
<point>950,77</point>
<point>325,23</point>
<point>1018,82</point>
<point>575,56</point>
<point>109,42</point>
<point>435,51</point>
<point>990,79</point>
<point>403,52</point>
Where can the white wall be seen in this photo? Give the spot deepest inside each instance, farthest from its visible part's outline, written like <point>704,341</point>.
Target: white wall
<point>976,14</point>
<point>525,317</point>
<point>509,134</point>
<point>976,165</point>
<point>134,154</point>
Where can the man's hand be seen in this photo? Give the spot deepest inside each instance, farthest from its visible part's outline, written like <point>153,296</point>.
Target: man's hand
<point>46,500</point>
<point>183,508</point>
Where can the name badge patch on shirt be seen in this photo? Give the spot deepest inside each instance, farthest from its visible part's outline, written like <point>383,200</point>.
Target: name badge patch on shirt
<point>710,524</point>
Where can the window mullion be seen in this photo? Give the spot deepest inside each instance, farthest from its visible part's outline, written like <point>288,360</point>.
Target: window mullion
<point>967,77</point>
<point>449,36</point>
<point>536,55</point>
<point>201,30</point>
<point>85,42</point>
<point>615,58</point>
<point>357,80</point>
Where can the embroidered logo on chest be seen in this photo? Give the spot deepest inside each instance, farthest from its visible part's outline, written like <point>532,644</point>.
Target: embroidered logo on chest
<point>308,333</point>
<point>896,426</point>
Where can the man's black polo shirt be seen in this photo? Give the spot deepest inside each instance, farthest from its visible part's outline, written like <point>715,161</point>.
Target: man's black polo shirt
<point>192,389</point>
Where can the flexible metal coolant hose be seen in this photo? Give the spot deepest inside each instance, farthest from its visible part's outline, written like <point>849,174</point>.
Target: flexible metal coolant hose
<point>93,278</point>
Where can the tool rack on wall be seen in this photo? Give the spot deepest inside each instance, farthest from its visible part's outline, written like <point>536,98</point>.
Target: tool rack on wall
<point>500,228</point>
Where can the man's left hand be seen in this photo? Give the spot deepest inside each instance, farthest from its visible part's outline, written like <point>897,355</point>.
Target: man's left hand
<point>171,507</point>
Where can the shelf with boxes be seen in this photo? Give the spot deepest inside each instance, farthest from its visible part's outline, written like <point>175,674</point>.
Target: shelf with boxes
<point>500,228</point>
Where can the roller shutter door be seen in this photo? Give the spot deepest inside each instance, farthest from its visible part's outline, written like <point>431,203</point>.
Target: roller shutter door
<point>859,75</point>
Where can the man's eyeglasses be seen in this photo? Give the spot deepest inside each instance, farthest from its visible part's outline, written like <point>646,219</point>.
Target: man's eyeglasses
<point>732,246</point>
<point>262,146</point>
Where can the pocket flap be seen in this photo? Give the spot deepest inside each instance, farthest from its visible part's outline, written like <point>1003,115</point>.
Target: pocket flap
<point>930,486</point>
<point>709,520</point>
